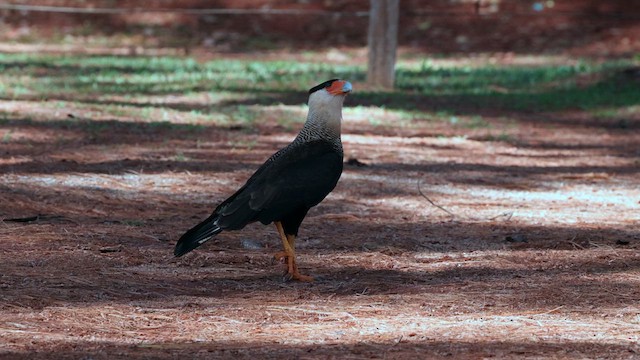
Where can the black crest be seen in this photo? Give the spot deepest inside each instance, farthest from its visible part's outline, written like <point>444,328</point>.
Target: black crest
<point>325,84</point>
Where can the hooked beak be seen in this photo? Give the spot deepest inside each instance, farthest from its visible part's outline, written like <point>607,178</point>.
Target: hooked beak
<point>340,87</point>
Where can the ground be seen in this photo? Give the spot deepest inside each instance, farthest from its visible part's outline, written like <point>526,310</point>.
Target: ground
<point>464,225</point>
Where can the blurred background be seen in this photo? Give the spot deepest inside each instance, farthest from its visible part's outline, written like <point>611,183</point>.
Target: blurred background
<point>578,27</point>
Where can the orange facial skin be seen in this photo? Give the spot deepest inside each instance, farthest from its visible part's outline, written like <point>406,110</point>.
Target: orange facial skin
<point>338,88</point>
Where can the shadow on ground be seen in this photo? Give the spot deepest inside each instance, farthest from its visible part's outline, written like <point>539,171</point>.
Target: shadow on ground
<point>404,348</point>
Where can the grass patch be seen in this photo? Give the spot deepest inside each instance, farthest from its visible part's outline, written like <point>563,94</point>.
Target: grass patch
<point>613,112</point>
<point>160,75</point>
<point>7,136</point>
<point>426,88</point>
<point>490,79</point>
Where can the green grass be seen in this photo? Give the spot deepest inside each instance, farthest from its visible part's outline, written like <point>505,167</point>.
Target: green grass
<point>616,112</point>
<point>7,136</point>
<point>234,87</point>
<point>432,80</point>
<point>147,75</point>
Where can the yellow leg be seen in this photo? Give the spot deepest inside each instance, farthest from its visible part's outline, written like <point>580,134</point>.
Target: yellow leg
<point>282,255</point>
<point>289,255</point>
<point>291,239</point>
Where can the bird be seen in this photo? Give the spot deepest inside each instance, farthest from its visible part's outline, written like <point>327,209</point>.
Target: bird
<point>290,182</point>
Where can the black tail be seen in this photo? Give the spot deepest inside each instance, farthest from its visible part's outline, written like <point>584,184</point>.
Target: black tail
<point>197,236</point>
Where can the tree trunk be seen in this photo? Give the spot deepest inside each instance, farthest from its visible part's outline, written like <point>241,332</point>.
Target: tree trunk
<point>383,41</point>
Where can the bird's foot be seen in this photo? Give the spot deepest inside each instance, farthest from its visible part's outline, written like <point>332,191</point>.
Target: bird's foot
<point>280,257</point>
<point>291,268</point>
<point>288,276</point>
<point>292,272</point>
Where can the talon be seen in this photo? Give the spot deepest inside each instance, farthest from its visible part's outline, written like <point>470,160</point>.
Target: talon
<point>280,256</point>
<point>287,277</point>
<point>296,276</point>
<point>303,278</point>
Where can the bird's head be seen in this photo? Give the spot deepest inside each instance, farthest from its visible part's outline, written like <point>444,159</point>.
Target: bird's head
<point>334,87</point>
<point>325,110</point>
<point>329,92</point>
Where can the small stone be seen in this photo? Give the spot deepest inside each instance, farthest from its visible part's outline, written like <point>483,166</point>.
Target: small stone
<point>251,244</point>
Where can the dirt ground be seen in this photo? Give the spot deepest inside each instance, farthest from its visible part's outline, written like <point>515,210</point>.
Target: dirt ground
<point>538,256</point>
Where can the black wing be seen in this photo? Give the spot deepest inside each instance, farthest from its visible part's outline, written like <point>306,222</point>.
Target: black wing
<point>297,177</point>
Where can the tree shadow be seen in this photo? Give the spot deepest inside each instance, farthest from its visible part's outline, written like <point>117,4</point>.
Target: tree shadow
<point>420,346</point>
<point>40,285</point>
<point>84,133</point>
<point>502,170</point>
<point>164,141</point>
<point>132,239</point>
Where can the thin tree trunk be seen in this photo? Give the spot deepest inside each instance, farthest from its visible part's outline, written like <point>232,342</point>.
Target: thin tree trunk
<point>383,42</point>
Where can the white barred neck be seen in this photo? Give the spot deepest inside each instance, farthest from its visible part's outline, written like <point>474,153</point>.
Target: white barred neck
<point>324,118</point>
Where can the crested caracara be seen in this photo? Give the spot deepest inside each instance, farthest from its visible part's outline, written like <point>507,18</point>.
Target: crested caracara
<point>292,181</point>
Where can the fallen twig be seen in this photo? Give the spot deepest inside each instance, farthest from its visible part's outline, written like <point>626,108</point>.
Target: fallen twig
<point>431,201</point>
<point>508,214</point>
